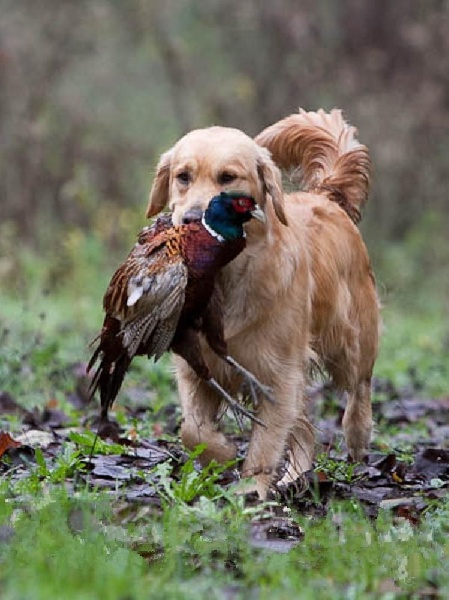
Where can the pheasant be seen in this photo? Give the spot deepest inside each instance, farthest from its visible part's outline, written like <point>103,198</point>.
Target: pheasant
<point>163,296</point>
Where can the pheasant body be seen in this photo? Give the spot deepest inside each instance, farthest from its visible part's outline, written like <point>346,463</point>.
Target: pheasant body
<point>163,295</point>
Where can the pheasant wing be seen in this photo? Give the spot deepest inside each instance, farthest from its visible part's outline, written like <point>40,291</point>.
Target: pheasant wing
<point>155,299</point>
<point>142,304</point>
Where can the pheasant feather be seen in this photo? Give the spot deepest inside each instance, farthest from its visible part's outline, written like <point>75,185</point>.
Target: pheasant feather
<point>159,299</point>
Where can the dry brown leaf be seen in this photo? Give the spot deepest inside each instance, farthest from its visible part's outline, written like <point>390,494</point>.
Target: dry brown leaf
<point>52,403</point>
<point>6,442</point>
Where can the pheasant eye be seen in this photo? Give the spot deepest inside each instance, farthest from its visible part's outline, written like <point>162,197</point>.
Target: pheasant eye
<point>243,204</point>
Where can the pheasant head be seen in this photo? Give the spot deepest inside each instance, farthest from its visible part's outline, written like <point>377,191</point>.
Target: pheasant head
<point>226,213</point>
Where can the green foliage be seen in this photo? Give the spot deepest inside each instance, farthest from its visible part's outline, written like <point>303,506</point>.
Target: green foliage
<point>79,548</point>
<point>88,443</point>
<point>413,272</point>
<point>335,470</point>
<point>56,558</point>
<point>66,465</point>
<point>414,350</point>
<point>33,365</point>
<point>191,482</point>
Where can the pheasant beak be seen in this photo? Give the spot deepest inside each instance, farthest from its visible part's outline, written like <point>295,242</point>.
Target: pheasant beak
<point>257,213</point>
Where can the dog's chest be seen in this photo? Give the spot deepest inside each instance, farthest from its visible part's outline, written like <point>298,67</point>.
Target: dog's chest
<point>243,301</point>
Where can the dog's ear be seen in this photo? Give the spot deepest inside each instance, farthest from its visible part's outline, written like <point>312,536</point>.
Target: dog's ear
<point>160,188</point>
<point>270,177</point>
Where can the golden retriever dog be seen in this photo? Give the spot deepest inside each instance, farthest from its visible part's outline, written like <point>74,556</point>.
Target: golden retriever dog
<point>302,287</point>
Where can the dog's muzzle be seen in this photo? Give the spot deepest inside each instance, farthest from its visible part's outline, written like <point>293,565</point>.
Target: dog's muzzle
<point>193,215</point>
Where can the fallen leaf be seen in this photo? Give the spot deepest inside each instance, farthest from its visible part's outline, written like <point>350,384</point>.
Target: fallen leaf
<point>410,513</point>
<point>49,417</point>
<point>8,406</point>
<point>375,495</point>
<point>321,476</point>
<point>140,491</point>
<point>52,403</point>
<point>158,429</point>
<point>386,464</point>
<point>109,467</point>
<point>278,534</point>
<point>153,455</point>
<point>396,478</point>
<point>132,434</point>
<point>6,442</point>
<point>390,503</point>
<point>432,463</point>
<point>36,437</point>
<point>109,430</point>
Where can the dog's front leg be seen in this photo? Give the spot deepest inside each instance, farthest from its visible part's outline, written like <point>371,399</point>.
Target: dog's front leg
<point>284,419</point>
<point>200,408</point>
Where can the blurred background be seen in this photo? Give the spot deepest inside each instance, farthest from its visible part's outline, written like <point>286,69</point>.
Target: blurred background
<point>92,91</point>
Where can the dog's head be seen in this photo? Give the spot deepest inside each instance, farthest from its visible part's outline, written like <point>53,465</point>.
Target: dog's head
<point>207,161</point>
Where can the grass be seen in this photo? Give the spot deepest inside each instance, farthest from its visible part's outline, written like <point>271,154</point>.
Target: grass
<point>415,350</point>
<point>56,543</point>
<point>77,548</point>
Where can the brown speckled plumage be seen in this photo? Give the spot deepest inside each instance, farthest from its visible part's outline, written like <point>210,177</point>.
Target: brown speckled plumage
<point>161,298</point>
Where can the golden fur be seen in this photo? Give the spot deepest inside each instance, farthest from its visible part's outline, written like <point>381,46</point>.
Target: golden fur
<point>304,282</point>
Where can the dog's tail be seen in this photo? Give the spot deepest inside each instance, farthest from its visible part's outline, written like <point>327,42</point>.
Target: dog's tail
<point>324,151</point>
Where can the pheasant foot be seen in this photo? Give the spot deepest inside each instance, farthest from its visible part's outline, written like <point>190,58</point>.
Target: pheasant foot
<point>234,405</point>
<point>255,386</point>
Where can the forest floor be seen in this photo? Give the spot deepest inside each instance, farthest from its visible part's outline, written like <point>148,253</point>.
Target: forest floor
<point>136,517</point>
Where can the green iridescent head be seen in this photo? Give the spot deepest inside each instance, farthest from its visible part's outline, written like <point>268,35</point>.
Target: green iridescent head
<point>227,212</point>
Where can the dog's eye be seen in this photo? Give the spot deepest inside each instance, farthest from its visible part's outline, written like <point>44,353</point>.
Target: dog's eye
<point>226,177</point>
<point>183,177</point>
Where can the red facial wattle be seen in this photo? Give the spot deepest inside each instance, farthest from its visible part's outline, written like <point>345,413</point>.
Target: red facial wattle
<point>243,204</point>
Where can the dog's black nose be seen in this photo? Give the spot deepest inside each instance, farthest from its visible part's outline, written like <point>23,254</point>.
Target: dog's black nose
<point>193,215</point>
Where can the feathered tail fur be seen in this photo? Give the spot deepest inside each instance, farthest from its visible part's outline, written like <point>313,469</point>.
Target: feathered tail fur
<point>325,151</point>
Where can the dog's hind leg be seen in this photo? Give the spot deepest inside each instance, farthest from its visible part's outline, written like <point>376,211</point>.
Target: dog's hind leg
<point>358,366</point>
<point>357,420</point>
<point>353,375</point>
